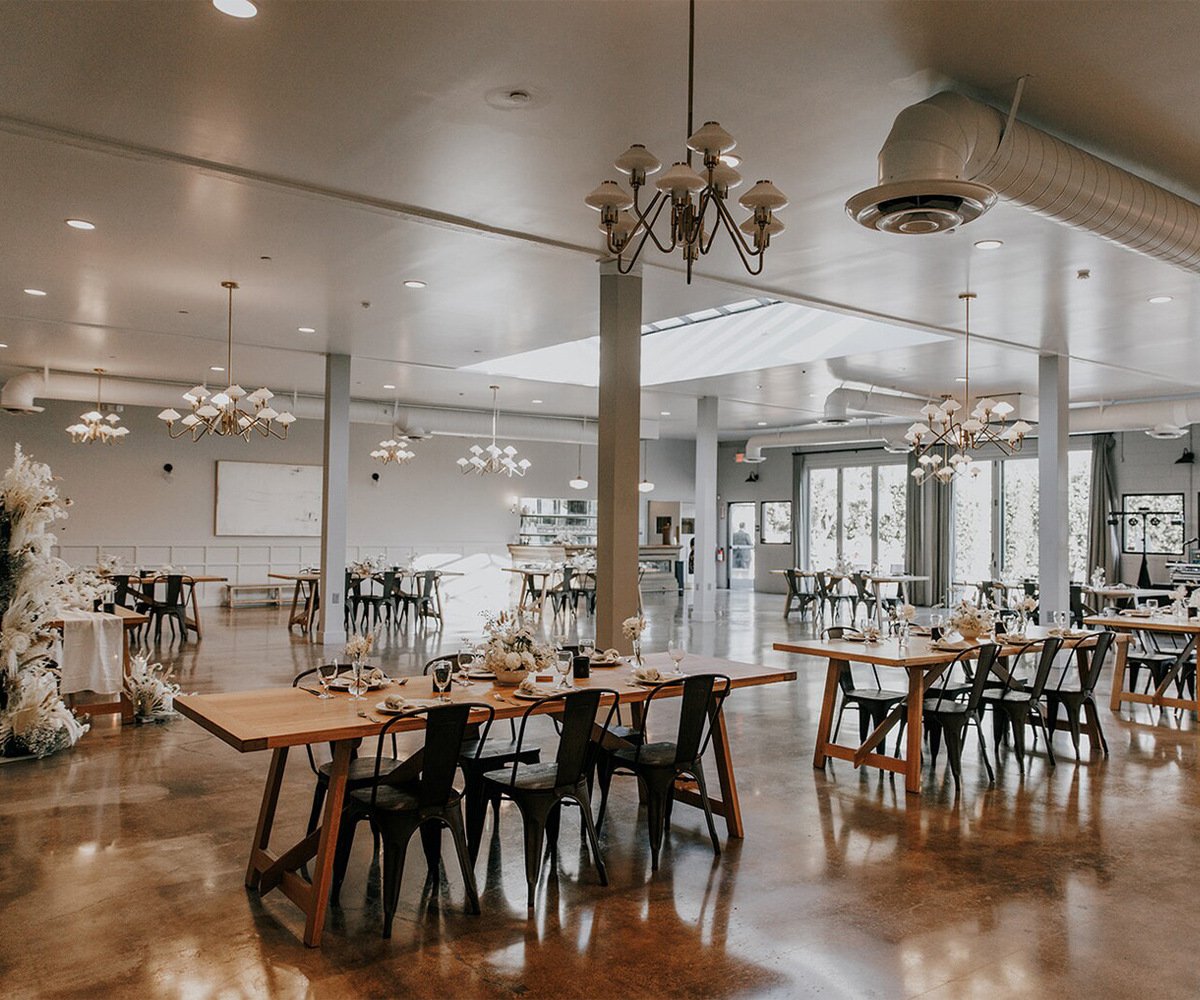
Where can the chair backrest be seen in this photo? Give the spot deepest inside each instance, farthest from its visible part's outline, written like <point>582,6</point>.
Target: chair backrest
<point>983,668</point>
<point>120,584</point>
<point>943,695</point>
<point>1050,649</point>
<point>702,698</point>
<point>859,579</point>
<point>821,584</point>
<point>429,577</point>
<point>567,573</point>
<point>444,729</point>
<point>793,581</point>
<point>174,596</point>
<point>576,724</point>
<point>1096,661</point>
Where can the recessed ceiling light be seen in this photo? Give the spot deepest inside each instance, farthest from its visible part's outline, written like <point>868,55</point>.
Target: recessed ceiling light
<point>34,291</point>
<point>412,283</point>
<point>989,244</point>
<point>1158,300</point>
<point>236,8</point>
<point>664,413</point>
<point>215,368</point>
<point>961,378</point>
<point>305,329</point>
<point>3,346</point>
<point>80,224</point>
<point>388,385</point>
<point>535,401</point>
<point>762,423</point>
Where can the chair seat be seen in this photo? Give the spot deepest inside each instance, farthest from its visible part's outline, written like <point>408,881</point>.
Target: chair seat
<point>495,751</point>
<point>651,754</point>
<point>880,695</point>
<point>531,777</point>
<point>934,707</point>
<point>362,769</point>
<point>1015,697</point>
<point>394,800</point>
<point>631,734</point>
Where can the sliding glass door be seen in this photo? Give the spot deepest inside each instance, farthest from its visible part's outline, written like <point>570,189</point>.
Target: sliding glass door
<point>856,515</point>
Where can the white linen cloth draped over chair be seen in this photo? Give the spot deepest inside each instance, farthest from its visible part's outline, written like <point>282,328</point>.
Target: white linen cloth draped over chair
<point>92,652</point>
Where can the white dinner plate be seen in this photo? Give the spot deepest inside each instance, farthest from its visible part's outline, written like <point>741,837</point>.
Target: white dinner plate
<point>661,678</point>
<point>338,684</point>
<point>409,705</point>
<point>536,695</point>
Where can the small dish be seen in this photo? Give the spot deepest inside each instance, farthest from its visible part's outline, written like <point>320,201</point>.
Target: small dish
<point>409,705</point>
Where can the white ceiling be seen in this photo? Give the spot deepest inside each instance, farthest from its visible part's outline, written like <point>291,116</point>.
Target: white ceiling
<point>354,145</point>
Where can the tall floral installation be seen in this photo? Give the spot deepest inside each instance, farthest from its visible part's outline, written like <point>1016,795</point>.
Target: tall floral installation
<point>35,588</point>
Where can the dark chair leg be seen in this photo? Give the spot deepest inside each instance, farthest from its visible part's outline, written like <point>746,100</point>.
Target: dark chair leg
<point>341,853</point>
<point>655,808</point>
<point>838,724</point>
<point>553,822</point>
<point>1093,717</point>
<point>983,750</point>
<point>953,733</point>
<point>455,823</point>
<point>864,723</point>
<point>534,820</point>
<point>475,796</point>
<point>698,774</point>
<point>604,775</point>
<point>589,827</point>
<point>1018,718</point>
<point>431,840</point>
<point>395,846</point>
<point>933,729</point>
<point>318,801</point>
<point>1041,721</point>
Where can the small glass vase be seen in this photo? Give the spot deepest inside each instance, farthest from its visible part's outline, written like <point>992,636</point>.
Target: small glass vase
<point>356,685</point>
<point>637,653</point>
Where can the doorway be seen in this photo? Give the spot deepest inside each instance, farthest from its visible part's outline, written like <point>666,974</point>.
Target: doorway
<point>743,530</point>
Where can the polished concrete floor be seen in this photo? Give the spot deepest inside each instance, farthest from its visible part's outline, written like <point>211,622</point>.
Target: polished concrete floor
<point>121,865</point>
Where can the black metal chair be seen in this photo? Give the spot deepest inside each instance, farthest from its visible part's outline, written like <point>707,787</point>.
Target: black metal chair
<point>422,601</point>
<point>172,606</point>
<point>872,704</point>
<point>1079,693</point>
<point>1157,654</point>
<point>863,594</point>
<point>563,592</point>
<point>1030,589</point>
<point>797,593</point>
<point>400,806</point>
<point>946,715</point>
<point>1080,609</point>
<point>539,790</point>
<point>1014,703</point>
<point>657,765</point>
<point>376,605</point>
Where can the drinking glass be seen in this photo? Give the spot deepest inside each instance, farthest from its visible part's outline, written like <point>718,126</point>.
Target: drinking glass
<point>357,687</point>
<point>442,672</point>
<point>587,647</point>
<point>1060,620</point>
<point>326,672</point>
<point>676,651</point>
<point>562,663</point>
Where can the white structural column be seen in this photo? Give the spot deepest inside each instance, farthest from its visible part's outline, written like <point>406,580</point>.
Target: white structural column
<point>331,630</point>
<point>703,600</point>
<point>617,457</point>
<point>1054,573</point>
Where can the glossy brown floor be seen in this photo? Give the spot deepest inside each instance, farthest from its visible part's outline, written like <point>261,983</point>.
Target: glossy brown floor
<point>121,866</point>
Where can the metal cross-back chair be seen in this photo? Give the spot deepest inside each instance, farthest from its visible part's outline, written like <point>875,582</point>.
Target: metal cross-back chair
<point>946,713</point>
<point>399,806</point>
<point>863,594</point>
<point>872,704</point>
<point>1079,694</point>
<point>1015,704</point>
<point>539,790</point>
<point>173,605</point>
<point>797,594</point>
<point>658,764</point>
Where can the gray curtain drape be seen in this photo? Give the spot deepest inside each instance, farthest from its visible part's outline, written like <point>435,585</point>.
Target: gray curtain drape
<point>1103,544</point>
<point>799,512</point>
<point>927,536</point>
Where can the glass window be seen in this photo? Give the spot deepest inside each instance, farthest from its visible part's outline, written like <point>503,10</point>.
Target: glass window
<point>1160,516</point>
<point>777,522</point>
<point>822,518</point>
<point>1079,485</point>
<point>972,542</point>
<point>1019,558</point>
<point>891,484</point>
<point>858,521</point>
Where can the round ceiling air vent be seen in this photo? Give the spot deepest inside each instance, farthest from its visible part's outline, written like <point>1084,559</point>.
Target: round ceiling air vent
<point>1166,432</point>
<point>916,208</point>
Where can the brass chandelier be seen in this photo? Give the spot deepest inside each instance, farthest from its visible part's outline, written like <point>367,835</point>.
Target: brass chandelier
<point>697,200</point>
<point>943,442</point>
<point>395,448</point>
<point>95,426</point>
<point>232,412</point>
<point>493,458</point>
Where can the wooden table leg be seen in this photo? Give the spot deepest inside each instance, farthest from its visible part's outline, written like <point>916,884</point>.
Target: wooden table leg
<point>729,794</point>
<point>825,723</point>
<point>322,876</point>
<point>266,817</point>
<point>194,624</point>
<point>916,706</point>
<point>311,604</point>
<point>1118,684</point>
<point>292,615</point>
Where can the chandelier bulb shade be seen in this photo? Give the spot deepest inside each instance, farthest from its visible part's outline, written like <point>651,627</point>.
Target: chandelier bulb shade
<point>395,449</point>
<point>493,458</point>
<point>96,426</point>
<point>943,443</point>
<point>688,207</point>
<point>231,412</point>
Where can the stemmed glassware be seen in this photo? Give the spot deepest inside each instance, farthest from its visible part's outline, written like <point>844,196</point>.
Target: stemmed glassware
<point>357,686</point>
<point>676,651</point>
<point>562,663</point>
<point>587,647</point>
<point>442,672</point>
<point>326,672</point>
<point>1060,621</point>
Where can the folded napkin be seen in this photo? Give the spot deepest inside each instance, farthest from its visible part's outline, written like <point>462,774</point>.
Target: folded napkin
<point>606,656</point>
<point>530,685</point>
<point>92,652</point>
<point>397,703</point>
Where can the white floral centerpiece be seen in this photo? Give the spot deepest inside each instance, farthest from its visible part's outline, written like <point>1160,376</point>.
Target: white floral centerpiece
<point>632,629</point>
<point>511,650</point>
<point>970,621</point>
<point>150,689</point>
<point>35,589</point>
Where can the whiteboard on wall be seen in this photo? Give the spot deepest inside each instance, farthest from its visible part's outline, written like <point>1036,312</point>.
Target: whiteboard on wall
<point>262,498</point>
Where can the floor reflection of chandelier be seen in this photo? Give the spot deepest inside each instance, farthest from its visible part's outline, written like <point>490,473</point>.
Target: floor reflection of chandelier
<point>94,425</point>
<point>493,458</point>
<point>943,442</point>
<point>231,412</point>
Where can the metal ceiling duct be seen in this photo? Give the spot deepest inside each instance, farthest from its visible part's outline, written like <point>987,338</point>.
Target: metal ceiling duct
<point>948,158</point>
<point>18,393</point>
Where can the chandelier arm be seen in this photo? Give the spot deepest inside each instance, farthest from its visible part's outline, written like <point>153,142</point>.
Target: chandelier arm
<point>731,225</point>
<point>647,234</point>
<point>660,202</point>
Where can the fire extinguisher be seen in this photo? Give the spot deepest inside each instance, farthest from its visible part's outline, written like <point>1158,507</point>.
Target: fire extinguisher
<point>720,553</point>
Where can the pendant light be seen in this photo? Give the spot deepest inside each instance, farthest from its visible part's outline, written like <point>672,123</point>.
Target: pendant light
<point>94,425</point>
<point>645,486</point>
<point>579,483</point>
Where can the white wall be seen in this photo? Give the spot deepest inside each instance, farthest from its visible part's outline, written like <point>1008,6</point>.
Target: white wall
<point>774,483</point>
<point>124,504</point>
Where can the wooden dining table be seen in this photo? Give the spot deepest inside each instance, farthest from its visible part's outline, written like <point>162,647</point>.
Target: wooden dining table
<point>130,620</point>
<point>923,663</point>
<point>1166,624</point>
<point>278,719</point>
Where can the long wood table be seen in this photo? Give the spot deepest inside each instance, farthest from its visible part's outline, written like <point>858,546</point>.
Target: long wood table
<point>130,620</point>
<point>1165,624</point>
<point>923,663</point>
<point>305,596</point>
<point>277,719</point>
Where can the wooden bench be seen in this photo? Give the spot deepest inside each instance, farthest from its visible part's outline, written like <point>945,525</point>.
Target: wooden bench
<point>259,595</point>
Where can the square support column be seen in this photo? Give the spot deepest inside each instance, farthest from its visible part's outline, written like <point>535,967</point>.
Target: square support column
<point>1054,571</point>
<point>331,630</point>
<point>704,595</point>
<point>617,455</point>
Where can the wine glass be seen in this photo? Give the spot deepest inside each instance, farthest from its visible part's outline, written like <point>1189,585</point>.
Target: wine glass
<point>1060,621</point>
<point>562,664</point>
<point>587,647</point>
<point>326,672</point>
<point>676,651</point>
<point>442,671</point>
